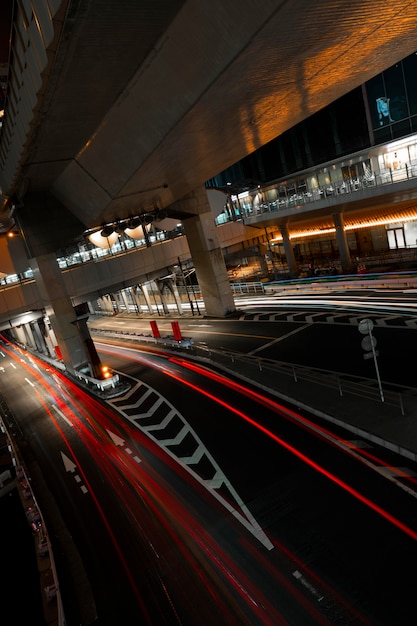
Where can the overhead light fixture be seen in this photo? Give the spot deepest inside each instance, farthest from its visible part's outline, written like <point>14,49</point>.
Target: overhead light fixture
<point>120,227</point>
<point>136,233</point>
<point>102,241</point>
<point>133,222</point>
<point>107,231</point>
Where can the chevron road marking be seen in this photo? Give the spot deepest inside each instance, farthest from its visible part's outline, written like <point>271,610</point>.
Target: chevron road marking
<point>190,462</point>
<point>322,317</point>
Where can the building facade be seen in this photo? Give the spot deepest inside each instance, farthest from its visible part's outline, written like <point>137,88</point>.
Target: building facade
<point>365,139</point>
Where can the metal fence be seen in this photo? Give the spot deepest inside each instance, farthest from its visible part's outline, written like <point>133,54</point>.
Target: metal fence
<point>263,371</point>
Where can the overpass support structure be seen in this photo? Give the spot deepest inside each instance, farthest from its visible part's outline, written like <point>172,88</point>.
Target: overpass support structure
<point>203,241</point>
<point>345,257</point>
<point>45,223</point>
<point>76,348</point>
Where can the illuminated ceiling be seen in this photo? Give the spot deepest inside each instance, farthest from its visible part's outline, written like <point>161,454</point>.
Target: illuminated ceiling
<point>143,102</point>
<point>322,228</point>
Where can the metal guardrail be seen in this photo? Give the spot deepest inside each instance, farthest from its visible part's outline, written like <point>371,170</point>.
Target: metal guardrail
<point>341,382</point>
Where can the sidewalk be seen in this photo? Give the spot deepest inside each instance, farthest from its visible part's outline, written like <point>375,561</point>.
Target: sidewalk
<point>371,419</point>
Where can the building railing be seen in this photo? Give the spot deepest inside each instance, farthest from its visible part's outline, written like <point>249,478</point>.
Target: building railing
<point>251,206</point>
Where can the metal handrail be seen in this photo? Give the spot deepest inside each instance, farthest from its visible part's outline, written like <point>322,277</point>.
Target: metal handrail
<point>340,189</point>
<point>343,383</point>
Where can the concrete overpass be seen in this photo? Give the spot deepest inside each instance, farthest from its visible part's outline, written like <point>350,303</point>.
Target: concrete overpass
<point>116,109</point>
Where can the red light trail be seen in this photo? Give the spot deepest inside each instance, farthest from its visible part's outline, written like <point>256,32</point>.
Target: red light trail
<point>283,411</point>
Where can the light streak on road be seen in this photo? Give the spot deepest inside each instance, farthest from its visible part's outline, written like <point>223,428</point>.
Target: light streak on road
<point>362,455</point>
<point>200,552</point>
<point>203,567</point>
<point>177,523</point>
<point>86,436</point>
<point>408,531</point>
<point>62,414</point>
<point>258,397</point>
<point>363,304</point>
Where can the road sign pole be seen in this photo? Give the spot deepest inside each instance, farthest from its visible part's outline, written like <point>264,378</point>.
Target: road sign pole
<point>368,343</point>
<point>381,393</point>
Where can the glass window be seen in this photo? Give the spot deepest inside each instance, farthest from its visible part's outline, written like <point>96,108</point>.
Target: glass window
<point>396,238</point>
<point>375,90</point>
<point>401,128</point>
<point>387,97</point>
<point>395,92</point>
<point>410,73</point>
<point>382,134</point>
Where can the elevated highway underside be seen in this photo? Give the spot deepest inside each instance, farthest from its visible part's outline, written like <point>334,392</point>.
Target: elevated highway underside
<point>118,108</point>
<point>142,102</point>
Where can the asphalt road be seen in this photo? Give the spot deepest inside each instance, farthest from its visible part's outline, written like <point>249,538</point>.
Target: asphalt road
<point>328,342</point>
<point>343,535</point>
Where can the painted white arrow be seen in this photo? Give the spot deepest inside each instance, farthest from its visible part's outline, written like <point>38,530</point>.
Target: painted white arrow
<point>68,464</point>
<point>71,467</point>
<point>119,442</point>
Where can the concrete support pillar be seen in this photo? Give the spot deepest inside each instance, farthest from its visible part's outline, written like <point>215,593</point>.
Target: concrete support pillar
<point>39,338</point>
<point>147,297</point>
<point>47,225</point>
<point>289,251</point>
<point>73,338</point>
<point>94,363</point>
<point>170,285</point>
<point>108,304</point>
<point>263,263</point>
<point>132,296</point>
<point>101,304</point>
<point>50,339</point>
<point>18,333</point>
<point>125,299</point>
<point>115,299</point>
<point>136,297</point>
<point>206,252</point>
<point>344,252</point>
<point>30,340</point>
<point>161,286</point>
<point>177,297</point>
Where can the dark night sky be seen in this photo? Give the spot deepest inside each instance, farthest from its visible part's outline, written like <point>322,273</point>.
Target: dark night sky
<point>5,20</point>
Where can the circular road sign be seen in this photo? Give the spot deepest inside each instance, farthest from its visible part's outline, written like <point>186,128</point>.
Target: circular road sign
<point>368,342</point>
<point>365,326</point>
